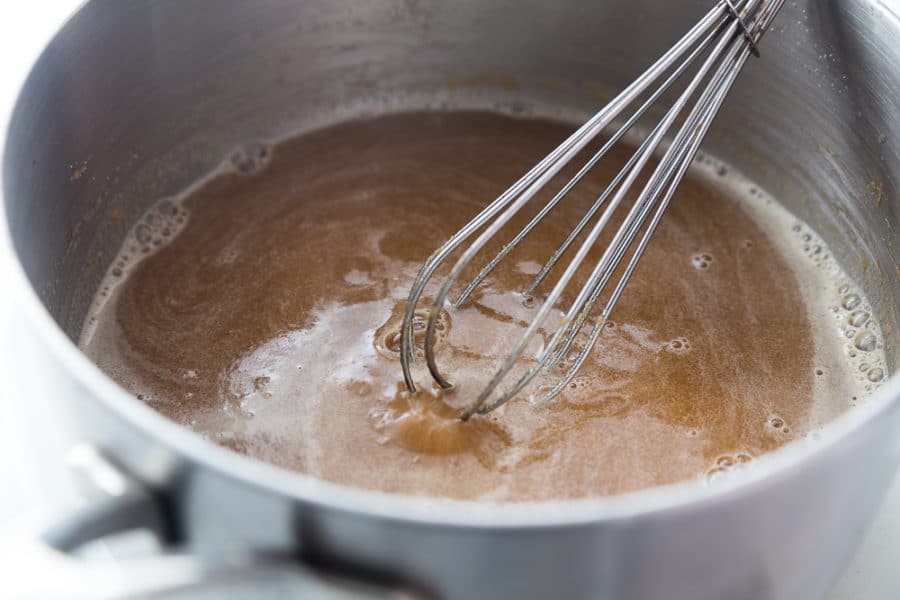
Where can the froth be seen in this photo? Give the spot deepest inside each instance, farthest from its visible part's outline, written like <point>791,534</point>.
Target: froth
<point>852,336</point>
<point>162,222</point>
<point>249,159</point>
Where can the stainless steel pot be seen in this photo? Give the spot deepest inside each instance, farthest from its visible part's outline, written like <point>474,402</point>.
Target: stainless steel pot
<point>133,100</point>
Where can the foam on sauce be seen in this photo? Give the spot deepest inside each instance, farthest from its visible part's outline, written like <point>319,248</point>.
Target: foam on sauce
<point>261,309</point>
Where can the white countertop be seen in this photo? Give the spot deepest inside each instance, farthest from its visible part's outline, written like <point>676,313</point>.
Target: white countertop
<point>24,28</point>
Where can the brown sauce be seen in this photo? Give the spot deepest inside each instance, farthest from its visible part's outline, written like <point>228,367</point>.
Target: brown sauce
<point>266,323</point>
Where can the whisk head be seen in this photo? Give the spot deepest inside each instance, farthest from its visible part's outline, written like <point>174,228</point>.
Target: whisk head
<point>714,51</point>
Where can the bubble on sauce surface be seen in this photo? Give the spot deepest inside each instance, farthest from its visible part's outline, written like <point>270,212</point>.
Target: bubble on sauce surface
<point>679,345</point>
<point>143,233</point>
<point>858,318</point>
<point>875,375</point>
<point>388,337</point>
<point>728,465</point>
<point>701,261</point>
<point>865,341</point>
<point>251,157</point>
<point>775,423</point>
<point>167,208</point>
<point>577,382</point>
<point>850,301</point>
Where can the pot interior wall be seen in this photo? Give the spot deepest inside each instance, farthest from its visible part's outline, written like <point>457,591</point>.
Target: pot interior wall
<point>135,99</point>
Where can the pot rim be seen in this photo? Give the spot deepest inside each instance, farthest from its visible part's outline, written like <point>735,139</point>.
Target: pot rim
<point>690,494</point>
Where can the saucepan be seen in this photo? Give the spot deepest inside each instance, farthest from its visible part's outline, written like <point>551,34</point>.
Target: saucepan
<point>134,99</point>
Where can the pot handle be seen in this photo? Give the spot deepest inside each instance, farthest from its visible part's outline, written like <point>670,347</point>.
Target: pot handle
<point>44,567</point>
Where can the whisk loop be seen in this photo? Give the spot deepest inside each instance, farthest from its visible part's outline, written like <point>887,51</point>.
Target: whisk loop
<point>723,38</point>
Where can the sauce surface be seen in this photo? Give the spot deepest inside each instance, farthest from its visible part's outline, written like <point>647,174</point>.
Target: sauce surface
<point>263,311</point>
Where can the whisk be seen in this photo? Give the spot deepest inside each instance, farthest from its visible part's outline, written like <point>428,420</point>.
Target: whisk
<point>720,43</point>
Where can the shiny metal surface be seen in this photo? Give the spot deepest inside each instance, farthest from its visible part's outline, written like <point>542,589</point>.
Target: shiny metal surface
<point>133,100</point>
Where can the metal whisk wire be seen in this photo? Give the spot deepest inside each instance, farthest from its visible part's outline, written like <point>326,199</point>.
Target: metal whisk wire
<point>732,29</point>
